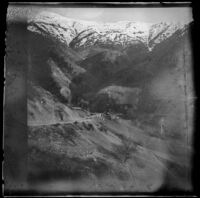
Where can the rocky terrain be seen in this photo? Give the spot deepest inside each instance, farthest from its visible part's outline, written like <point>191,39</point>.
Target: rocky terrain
<point>110,105</point>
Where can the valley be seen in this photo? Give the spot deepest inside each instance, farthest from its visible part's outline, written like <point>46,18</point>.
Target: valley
<point>108,106</point>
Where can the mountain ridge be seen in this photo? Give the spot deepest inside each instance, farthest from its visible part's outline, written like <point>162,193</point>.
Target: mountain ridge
<point>82,33</point>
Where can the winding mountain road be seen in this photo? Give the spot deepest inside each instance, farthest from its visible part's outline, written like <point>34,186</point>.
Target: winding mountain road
<point>68,122</point>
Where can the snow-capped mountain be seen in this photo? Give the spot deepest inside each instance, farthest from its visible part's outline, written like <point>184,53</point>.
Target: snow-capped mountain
<point>80,33</point>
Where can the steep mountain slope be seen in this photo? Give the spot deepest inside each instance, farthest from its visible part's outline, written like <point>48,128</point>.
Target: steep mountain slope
<point>82,75</point>
<point>91,155</point>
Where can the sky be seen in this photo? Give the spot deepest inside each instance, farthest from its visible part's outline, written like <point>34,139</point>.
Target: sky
<point>151,15</point>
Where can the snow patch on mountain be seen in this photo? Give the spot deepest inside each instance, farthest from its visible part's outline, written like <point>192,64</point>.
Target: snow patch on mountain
<point>79,33</point>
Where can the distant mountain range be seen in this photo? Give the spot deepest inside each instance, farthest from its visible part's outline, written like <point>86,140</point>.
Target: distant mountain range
<point>80,33</point>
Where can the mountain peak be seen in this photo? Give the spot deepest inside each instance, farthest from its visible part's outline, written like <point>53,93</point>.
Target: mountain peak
<point>86,33</point>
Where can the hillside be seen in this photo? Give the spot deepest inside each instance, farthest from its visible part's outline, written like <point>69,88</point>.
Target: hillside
<point>100,97</point>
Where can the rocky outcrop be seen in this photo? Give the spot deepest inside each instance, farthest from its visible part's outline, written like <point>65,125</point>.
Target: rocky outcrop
<point>116,99</point>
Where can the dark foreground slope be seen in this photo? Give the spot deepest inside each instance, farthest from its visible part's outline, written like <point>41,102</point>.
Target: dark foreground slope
<point>91,155</point>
